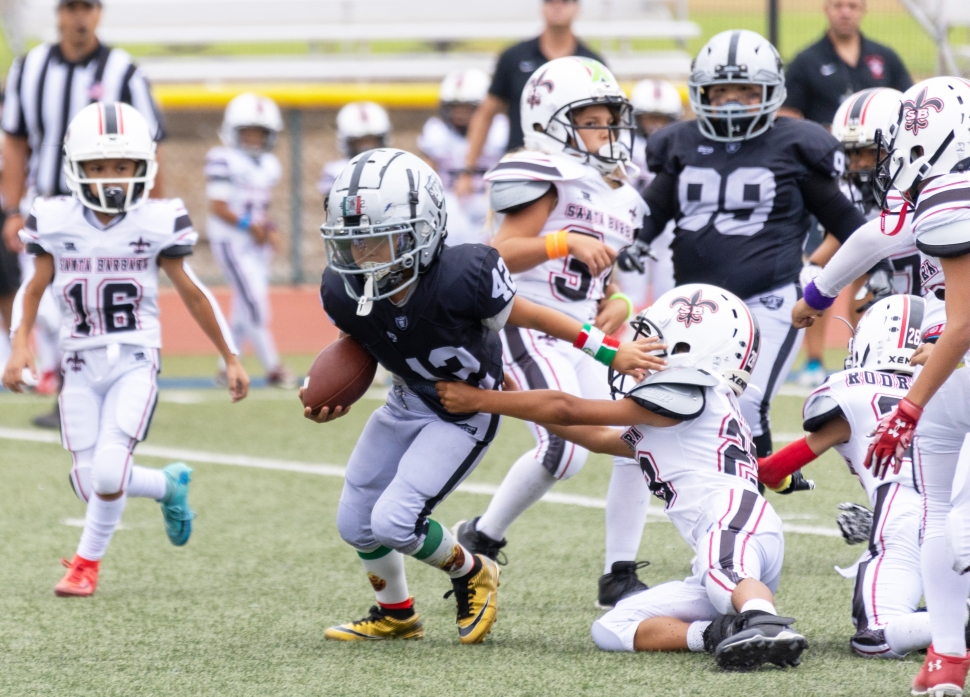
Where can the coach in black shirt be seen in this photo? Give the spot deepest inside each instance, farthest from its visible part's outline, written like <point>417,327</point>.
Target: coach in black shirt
<point>513,70</point>
<point>841,63</point>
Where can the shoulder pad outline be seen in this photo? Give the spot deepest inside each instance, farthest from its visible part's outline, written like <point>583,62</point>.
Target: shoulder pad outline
<point>819,410</point>
<point>676,401</point>
<point>528,165</point>
<point>509,196</point>
<point>681,376</point>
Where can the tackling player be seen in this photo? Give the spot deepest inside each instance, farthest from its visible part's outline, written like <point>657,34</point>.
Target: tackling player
<point>240,176</point>
<point>101,251</point>
<point>361,126</point>
<point>443,141</point>
<point>695,450</point>
<point>740,185</point>
<point>569,209</point>
<point>426,312</point>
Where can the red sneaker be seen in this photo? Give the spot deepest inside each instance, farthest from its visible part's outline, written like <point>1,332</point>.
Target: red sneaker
<point>941,676</point>
<point>81,578</point>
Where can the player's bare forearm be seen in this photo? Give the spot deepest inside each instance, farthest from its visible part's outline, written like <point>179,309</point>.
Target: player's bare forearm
<point>220,209</point>
<point>479,126</point>
<point>517,239</point>
<point>597,439</point>
<point>197,304</point>
<point>825,251</point>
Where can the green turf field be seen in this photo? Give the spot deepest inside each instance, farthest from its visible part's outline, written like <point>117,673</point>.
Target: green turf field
<point>241,609</point>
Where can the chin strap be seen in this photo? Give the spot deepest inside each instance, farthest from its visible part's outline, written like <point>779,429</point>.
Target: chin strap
<point>366,301</point>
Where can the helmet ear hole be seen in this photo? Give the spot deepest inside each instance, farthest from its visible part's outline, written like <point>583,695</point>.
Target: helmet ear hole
<point>680,347</point>
<point>915,153</point>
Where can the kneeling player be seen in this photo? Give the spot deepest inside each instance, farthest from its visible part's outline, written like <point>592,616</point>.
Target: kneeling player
<point>101,251</point>
<point>426,312</point>
<point>842,414</point>
<point>696,451</point>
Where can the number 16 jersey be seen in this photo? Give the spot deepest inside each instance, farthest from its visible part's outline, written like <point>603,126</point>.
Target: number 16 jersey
<point>106,278</point>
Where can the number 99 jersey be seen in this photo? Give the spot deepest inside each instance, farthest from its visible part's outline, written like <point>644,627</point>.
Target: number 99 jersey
<point>106,278</point>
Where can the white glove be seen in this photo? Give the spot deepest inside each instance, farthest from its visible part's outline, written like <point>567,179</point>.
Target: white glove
<point>808,274</point>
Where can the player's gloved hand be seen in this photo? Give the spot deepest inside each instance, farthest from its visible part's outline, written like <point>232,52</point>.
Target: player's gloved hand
<point>632,258</point>
<point>855,522</point>
<point>879,285</point>
<point>808,273</point>
<point>794,482</point>
<point>891,438</point>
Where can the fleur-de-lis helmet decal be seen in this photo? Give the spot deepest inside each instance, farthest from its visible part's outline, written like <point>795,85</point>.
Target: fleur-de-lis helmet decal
<point>691,310</point>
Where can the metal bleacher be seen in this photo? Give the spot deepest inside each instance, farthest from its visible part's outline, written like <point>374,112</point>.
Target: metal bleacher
<point>356,40</point>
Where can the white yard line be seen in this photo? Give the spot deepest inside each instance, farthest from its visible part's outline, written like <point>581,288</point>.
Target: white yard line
<point>327,470</point>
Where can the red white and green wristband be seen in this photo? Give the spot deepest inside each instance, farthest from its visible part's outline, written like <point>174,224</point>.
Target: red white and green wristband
<point>594,342</point>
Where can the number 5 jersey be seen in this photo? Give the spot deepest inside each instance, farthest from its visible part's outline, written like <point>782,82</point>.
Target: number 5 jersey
<point>106,277</point>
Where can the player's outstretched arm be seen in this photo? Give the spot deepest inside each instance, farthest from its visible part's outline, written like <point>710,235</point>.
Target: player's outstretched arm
<point>20,356</point>
<point>775,470</point>
<point>204,309</point>
<point>630,358</point>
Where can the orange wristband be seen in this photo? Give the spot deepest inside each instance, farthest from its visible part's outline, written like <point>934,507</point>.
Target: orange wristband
<point>556,245</point>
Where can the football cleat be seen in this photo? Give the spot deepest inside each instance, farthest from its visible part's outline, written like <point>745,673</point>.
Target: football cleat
<point>476,599</point>
<point>80,580</point>
<point>620,583</point>
<point>752,638</point>
<point>477,542</point>
<point>281,377</point>
<point>377,625</point>
<point>51,419</point>
<point>175,503</point>
<point>941,675</point>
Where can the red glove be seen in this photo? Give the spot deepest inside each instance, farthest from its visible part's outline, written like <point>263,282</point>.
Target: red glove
<point>891,439</point>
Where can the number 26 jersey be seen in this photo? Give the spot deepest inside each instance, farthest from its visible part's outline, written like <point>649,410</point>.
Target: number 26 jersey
<point>106,278</point>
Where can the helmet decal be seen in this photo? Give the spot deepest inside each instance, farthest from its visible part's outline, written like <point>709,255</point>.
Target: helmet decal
<point>692,309</point>
<point>916,112</point>
<point>534,98</point>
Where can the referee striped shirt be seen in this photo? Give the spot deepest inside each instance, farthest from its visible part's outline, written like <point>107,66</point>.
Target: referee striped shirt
<point>45,91</point>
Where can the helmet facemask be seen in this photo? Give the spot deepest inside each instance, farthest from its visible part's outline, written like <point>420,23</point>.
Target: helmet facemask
<point>734,121</point>
<point>108,195</point>
<point>643,328</point>
<point>613,154</point>
<point>863,180</point>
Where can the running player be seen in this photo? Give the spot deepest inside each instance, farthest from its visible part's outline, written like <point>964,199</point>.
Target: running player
<point>443,141</point>
<point>101,251</point>
<point>240,176</point>
<point>426,312</point>
<point>568,210</point>
<point>361,126</point>
<point>740,185</point>
<point>695,450</point>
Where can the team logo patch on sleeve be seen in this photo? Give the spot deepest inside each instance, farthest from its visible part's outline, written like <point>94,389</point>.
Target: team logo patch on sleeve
<point>631,437</point>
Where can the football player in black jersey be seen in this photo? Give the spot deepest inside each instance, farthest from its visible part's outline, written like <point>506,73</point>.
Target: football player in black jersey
<point>427,313</point>
<point>740,185</point>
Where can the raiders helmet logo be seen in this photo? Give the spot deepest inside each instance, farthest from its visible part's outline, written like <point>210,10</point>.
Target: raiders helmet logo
<point>917,112</point>
<point>691,310</point>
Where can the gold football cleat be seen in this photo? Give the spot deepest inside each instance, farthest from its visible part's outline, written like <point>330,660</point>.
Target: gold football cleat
<point>377,625</point>
<point>477,602</point>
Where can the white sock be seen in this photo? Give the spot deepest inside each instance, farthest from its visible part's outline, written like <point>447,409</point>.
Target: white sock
<point>627,500</point>
<point>147,483</point>
<point>907,633</point>
<point>759,604</point>
<point>946,595</point>
<point>386,575</point>
<point>695,636</point>
<point>100,522</point>
<point>441,550</point>
<point>527,482</point>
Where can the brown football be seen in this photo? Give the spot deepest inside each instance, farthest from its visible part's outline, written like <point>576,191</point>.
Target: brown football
<point>339,376</point>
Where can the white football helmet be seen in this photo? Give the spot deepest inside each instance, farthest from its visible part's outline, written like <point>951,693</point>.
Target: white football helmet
<point>385,223</point>
<point>564,85</point>
<point>249,110</point>
<point>704,327</point>
<point>361,120</point>
<point>657,97</point>
<point>110,130</point>
<point>464,86</point>
<point>887,335</point>
<point>931,135</point>
<point>737,56</point>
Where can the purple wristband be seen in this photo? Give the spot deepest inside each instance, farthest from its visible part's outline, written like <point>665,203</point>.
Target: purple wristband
<point>814,299</point>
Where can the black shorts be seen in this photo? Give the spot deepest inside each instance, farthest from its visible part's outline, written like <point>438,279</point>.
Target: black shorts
<point>9,267</point>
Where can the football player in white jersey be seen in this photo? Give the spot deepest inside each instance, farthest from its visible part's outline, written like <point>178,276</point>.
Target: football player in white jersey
<point>841,414</point>
<point>240,176</point>
<point>656,103</point>
<point>927,166</point>
<point>569,209</point>
<point>443,141</point>
<point>361,126</point>
<point>100,251</point>
<point>696,452</point>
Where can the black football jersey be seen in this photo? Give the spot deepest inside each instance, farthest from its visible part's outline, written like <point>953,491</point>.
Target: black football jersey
<point>740,213</point>
<point>438,333</point>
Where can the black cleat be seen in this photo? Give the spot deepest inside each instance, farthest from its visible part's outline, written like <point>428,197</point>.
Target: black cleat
<point>50,420</point>
<point>621,582</point>
<point>746,641</point>
<point>478,542</point>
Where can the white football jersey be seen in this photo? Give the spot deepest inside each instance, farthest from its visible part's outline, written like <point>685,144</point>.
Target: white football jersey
<point>688,464</point>
<point>639,158</point>
<point>328,175</point>
<point>447,148</point>
<point>587,205</point>
<point>863,397</point>
<point>106,279</point>
<point>245,182</point>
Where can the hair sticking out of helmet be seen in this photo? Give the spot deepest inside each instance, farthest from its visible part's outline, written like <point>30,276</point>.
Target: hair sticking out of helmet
<point>887,335</point>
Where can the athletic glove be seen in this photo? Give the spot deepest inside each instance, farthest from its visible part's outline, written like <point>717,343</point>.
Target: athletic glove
<point>794,482</point>
<point>631,258</point>
<point>891,438</point>
<point>855,522</point>
<point>879,284</point>
<point>808,273</point>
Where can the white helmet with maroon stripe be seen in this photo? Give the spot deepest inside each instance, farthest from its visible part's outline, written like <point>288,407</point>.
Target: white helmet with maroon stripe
<point>863,114</point>
<point>361,120</point>
<point>887,335</point>
<point>108,131</point>
<point>657,97</point>
<point>250,110</point>
<point>704,327</point>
